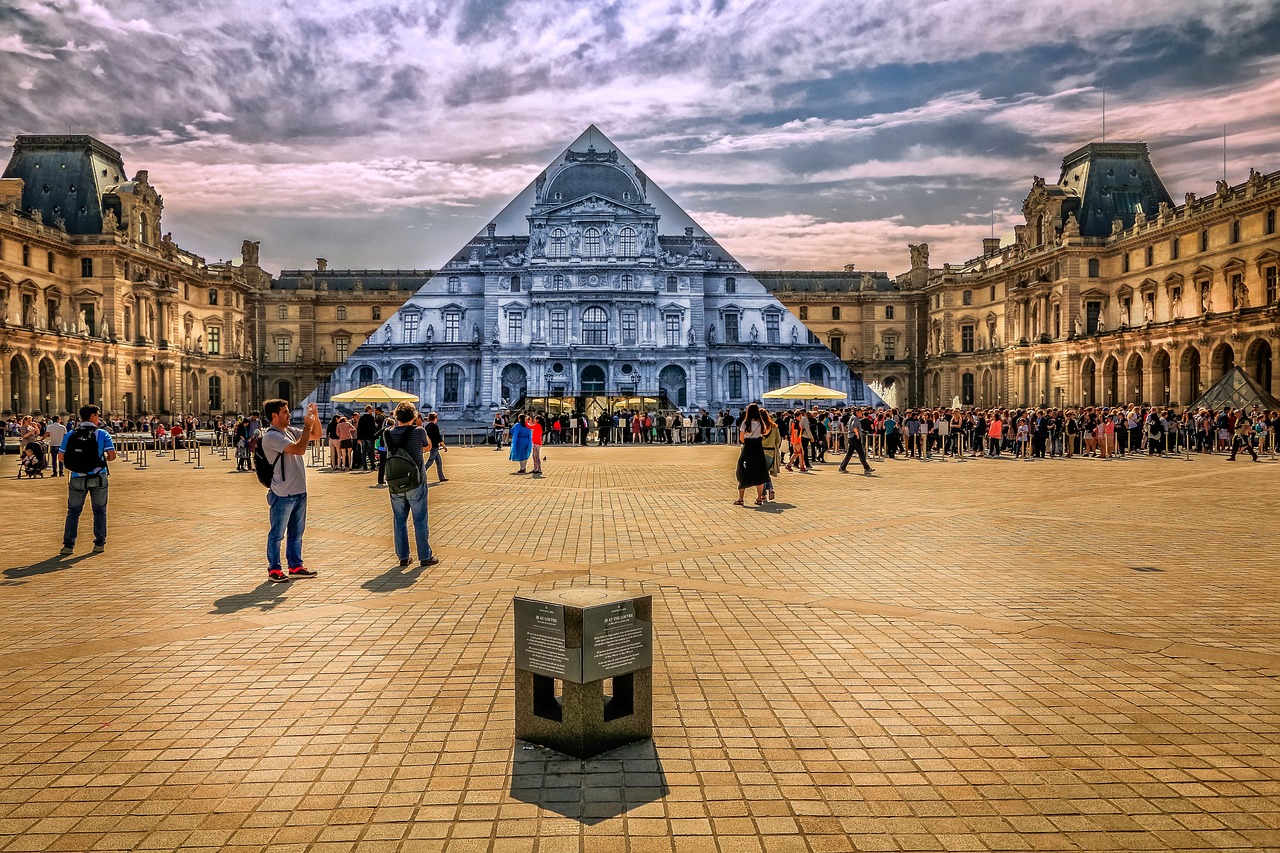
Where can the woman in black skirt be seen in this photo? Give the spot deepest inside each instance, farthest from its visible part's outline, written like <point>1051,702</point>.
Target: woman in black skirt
<point>753,469</point>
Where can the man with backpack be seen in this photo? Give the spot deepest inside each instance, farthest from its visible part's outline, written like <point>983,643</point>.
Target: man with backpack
<point>407,484</point>
<point>281,467</point>
<point>85,452</point>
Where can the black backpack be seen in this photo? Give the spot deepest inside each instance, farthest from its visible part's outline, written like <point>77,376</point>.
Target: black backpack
<point>81,455</point>
<point>404,473</point>
<point>265,469</point>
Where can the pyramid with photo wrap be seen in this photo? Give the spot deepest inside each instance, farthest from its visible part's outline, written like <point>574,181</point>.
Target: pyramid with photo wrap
<point>591,291</point>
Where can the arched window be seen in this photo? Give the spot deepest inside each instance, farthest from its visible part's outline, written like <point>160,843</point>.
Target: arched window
<point>627,242</point>
<point>365,375</point>
<point>737,377</point>
<point>775,376</point>
<point>451,385</point>
<point>595,327</point>
<point>558,245</point>
<point>817,374</point>
<point>408,378</point>
<point>591,243</point>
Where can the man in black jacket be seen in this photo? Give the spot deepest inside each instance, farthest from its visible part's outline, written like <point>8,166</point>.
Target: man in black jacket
<point>366,432</point>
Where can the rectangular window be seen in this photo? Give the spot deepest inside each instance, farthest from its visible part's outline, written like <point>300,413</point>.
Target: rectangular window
<point>966,297</point>
<point>993,293</point>
<point>628,328</point>
<point>1093,310</point>
<point>890,349</point>
<point>730,285</point>
<point>673,330</point>
<point>284,312</point>
<point>282,349</point>
<point>966,339</point>
<point>1270,276</point>
<point>1204,240</point>
<point>772,328</point>
<point>452,323</point>
<point>342,345</point>
<point>811,337</point>
<point>1057,321</point>
<point>730,328</point>
<point>515,328</point>
<point>50,257</point>
<point>672,284</point>
<point>342,312</point>
<point>375,313</point>
<point>1175,248</point>
<point>888,312</point>
<point>1151,255</point>
<point>1124,262</point>
<point>86,308</point>
<point>215,341</point>
<point>559,328</point>
<point>86,267</point>
<point>836,345</point>
<point>411,322</point>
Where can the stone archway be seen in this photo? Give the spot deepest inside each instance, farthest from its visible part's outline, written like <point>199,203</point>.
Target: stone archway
<point>1089,383</point>
<point>1224,358</point>
<point>1258,364</point>
<point>1133,379</point>
<point>1190,376</point>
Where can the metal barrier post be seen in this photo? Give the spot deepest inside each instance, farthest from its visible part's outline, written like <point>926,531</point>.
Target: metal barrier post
<point>199,467</point>
<point>142,454</point>
<point>174,445</point>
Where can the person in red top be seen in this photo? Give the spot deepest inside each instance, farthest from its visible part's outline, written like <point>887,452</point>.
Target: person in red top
<point>536,428</point>
<point>175,435</point>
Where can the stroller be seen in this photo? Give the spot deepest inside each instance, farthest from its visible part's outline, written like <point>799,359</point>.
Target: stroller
<point>31,462</point>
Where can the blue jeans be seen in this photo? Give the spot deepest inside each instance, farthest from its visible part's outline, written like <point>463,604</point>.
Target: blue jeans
<point>288,516</point>
<point>77,490</point>
<point>434,457</point>
<point>416,501</point>
<point>58,468</point>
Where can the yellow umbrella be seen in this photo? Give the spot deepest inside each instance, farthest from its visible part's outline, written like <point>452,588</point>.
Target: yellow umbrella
<point>804,391</point>
<point>374,394</point>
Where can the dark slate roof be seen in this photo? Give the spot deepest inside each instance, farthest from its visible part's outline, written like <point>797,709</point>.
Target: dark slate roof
<point>1113,179</point>
<point>830,281</point>
<point>65,176</point>
<point>582,179</point>
<point>406,281</point>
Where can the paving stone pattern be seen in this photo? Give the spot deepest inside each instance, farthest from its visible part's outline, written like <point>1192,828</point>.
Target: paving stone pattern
<point>988,655</point>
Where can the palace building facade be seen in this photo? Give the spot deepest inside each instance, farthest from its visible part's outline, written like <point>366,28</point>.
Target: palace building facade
<point>593,288</point>
<point>586,302</point>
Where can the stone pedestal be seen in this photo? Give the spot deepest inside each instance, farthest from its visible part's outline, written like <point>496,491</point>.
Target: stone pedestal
<point>584,669</point>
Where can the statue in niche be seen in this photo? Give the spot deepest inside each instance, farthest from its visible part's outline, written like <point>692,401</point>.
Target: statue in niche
<point>1149,310</point>
<point>1177,303</point>
<point>795,336</point>
<point>1102,326</point>
<point>692,337</point>
<point>475,333</point>
<point>610,237</point>
<point>1240,294</point>
<point>83,326</point>
<point>648,238</point>
<point>755,334</point>
<point>1124,314</point>
<point>239,350</point>
<point>4,307</point>
<point>538,241</point>
<point>1206,300</point>
<point>1078,325</point>
<point>575,239</point>
<point>57,324</point>
<point>711,333</point>
<point>875,353</point>
<point>199,343</point>
<point>324,356</point>
<point>431,333</point>
<point>386,335</point>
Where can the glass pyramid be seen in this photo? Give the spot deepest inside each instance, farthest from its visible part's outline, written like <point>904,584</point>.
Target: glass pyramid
<point>1237,391</point>
<point>591,291</point>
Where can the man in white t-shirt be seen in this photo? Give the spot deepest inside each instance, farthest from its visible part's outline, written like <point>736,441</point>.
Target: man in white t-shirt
<point>53,434</point>
<point>284,448</point>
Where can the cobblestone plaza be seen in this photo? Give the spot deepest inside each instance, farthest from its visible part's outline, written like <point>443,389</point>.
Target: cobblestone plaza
<point>988,655</point>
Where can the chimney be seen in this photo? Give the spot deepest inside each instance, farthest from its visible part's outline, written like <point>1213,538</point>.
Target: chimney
<point>492,229</point>
<point>322,264</point>
<point>688,231</point>
<point>990,246</point>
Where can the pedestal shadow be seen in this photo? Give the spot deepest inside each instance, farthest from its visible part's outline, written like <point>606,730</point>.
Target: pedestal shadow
<point>590,790</point>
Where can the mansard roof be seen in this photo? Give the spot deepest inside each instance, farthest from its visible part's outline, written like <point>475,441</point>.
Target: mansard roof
<point>405,281</point>
<point>1113,180</point>
<point>64,177</point>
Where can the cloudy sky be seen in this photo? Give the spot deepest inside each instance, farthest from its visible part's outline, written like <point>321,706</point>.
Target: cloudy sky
<point>803,134</point>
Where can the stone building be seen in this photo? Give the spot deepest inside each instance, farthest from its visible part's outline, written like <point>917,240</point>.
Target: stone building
<point>98,304</point>
<point>597,293</point>
<point>1110,292</point>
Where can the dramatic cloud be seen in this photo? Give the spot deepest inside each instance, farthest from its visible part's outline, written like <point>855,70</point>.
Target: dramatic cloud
<point>810,133</point>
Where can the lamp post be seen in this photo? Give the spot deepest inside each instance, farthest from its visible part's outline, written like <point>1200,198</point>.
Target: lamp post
<point>46,404</point>
<point>15,402</point>
<point>1166,395</point>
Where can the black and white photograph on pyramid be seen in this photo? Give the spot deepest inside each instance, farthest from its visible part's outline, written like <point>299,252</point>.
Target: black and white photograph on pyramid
<point>591,292</point>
